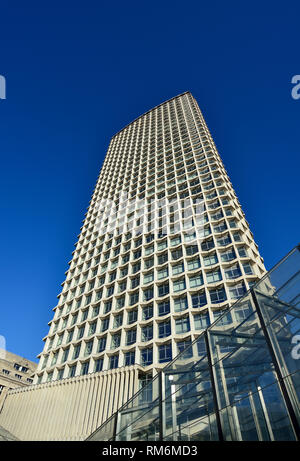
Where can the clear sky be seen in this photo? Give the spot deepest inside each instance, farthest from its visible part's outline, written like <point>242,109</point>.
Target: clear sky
<point>77,72</point>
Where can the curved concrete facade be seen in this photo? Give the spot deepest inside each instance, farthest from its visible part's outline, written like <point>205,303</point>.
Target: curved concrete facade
<point>70,409</point>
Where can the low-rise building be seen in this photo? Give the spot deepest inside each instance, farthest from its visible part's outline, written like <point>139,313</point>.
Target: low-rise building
<point>15,371</point>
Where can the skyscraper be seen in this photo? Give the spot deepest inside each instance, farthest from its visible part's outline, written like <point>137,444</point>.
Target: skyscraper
<point>164,249</point>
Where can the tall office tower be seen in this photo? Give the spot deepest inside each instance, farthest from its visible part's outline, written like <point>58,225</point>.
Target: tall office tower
<point>164,249</point>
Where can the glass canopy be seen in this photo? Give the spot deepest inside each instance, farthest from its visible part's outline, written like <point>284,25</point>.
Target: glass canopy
<point>239,380</point>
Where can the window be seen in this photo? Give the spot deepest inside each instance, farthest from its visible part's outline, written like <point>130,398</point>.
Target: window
<point>49,376</point>
<point>98,365</point>
<point>210,260</point>
<point>149,250</point>
<point>217,216</point>
<point>85,368</point>
<point>124,272</point>
<point>135,282</point>
<point>104,324</point>
<point>18,367</point>
<point>196,280</point>
<point>162,245</point>
<point>237,291</point>
<point>147,333</point>
<point>92,328</point>
<point>110,291</point>
<point>112,276</point>
<point>122,286</point>
<point>113,362</point>
<point>214,276</point>
<point>232,223</point>
<point>120,302</point>
<point>175,241</point>
<point>132,316</point>
<point>70,336</point>
<point>129,358</point>
<point>149,277</point>
<point>178,269</point>
<point>133,298</point>
<point>72,371</point>
<point>201,321</point>
<point>193,264</point>
<point>96,310</point>
<point>242,252</point>
<point>191,250</point>
<point>233,271</point>
<point>228,255</point>
<point>190,236</point>
<point>237,237</point>
<point>224,318</point>
<point>149,263</point>
<point>180,304</point>
<point>220,227</point>
<point>199,299</point>
<point>102,344</point>
<point>177,254</point>
<point>146,356</point>
<point>137,254</point>
<point>179,285</point>
<point>185,346</point>
<point>84,315</point>
<point>163,308</point>
<point>182,325</point>
<point>207,245</point>
<point>88,299</point>
<point>65,354</point>
<point>147,312</point>
<point>247,269</point>
<point>165,353</point>
<point>125,258</point>
<point>60,374</point>
<point>131,337</point>
<point>88,348</point>
<point>107,307</point>
<point>242,312</point>
<point>161,259</point>
<point>145,382</point>
<point>162,289</point>
<point>217,295</point>
<point>76,351</point>
<point>162,273</point>
<point>115,341</point>
<point>118,320</point>
<point>164,329</point>
<point>148,294</point>
<point>226,240</point>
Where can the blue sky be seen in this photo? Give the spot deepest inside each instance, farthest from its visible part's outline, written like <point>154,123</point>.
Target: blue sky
<point>78,72</point>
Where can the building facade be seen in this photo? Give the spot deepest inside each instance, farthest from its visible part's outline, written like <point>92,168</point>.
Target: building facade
<point>15,371</point>
<point>164,249</point>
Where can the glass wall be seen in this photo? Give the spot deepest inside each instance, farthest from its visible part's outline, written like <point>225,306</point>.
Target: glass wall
<point>239,380</point>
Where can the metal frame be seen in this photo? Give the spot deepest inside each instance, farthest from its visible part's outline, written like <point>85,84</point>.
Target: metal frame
<point>285,394</point>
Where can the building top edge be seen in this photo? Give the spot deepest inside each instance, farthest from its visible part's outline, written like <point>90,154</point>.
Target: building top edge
<point>150,110</point>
